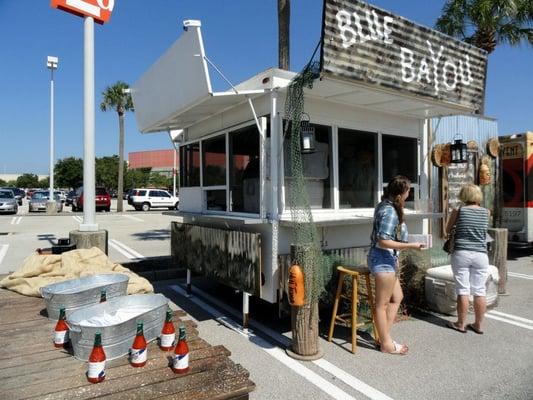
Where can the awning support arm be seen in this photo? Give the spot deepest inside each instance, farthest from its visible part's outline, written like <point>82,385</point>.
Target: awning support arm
<point>236,91</point>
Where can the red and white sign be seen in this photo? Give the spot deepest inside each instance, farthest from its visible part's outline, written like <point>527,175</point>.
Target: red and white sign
<point>100,10</point>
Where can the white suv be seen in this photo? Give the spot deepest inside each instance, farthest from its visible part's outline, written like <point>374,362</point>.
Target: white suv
<point>144,199</point>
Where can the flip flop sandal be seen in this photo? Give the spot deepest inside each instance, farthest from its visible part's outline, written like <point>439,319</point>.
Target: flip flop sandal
<point>452,325</point>
<point>399,349</point>
<point>473,328</point>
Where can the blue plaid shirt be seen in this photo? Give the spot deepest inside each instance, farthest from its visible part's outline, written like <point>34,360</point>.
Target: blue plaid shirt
<point>386,224</point>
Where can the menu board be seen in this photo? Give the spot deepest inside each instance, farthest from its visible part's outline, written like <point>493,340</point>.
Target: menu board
<point>458,176</point>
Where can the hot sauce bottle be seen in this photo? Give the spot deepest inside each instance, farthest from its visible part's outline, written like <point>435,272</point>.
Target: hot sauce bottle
<point>96,371</point>
<point>138,352</point>
<point>61,336</point>
<point>168,333</point>
<point>180,363</point>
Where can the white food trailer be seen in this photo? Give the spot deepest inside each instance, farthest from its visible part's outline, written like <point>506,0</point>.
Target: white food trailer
<point>381,78</point>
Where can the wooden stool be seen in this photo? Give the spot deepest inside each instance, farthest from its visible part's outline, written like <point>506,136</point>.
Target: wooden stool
<point>355,273</point>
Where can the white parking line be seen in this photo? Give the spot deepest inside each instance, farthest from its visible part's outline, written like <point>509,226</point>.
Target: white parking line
<point>133,218</point>
<point>3,251</point>
<point>77,218</point>
<point>518,275</point>
<point>16,220</point>
<point>271,349</point>
<point>124,253</point>
<point>125,250</point>
<point>510,319</point>
<point>511,316</point>
<point>348,379</point>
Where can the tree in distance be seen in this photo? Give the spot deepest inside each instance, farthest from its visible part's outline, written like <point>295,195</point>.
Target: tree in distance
<point>118,99</point>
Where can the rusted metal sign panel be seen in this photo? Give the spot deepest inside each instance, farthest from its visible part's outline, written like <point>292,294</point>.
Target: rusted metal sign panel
<point>231,257</point>
<point>368,45</point>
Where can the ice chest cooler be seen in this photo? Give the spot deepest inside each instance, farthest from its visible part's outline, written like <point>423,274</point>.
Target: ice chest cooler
<point>440,289</point>
<point>76,293</point>
<point>116,319</point>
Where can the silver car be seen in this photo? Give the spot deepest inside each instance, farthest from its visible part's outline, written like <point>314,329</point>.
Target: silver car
<point>8,202</point>
<point>39,199</point>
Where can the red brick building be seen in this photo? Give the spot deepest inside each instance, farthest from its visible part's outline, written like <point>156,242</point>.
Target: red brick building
<point>158,160</point>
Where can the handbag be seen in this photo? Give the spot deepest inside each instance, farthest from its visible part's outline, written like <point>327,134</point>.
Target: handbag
<point>449,244</point>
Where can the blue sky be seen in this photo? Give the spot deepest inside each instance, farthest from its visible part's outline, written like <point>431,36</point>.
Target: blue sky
<point>240,37</point>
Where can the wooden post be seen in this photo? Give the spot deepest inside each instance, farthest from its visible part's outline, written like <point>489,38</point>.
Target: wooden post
<point>498,255</point>
<point>304,324</point>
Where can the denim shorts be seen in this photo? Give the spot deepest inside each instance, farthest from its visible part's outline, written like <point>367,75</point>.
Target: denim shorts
<point>381,260</point>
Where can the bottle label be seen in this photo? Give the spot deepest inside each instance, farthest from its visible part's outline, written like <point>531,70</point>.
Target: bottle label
<point>138,356</point>
<point>181,361</point>
<point>61,337</point>
<point>167,339</point>
<point>96,370</point>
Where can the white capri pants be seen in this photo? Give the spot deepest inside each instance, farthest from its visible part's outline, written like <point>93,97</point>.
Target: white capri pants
<point>470,272</point>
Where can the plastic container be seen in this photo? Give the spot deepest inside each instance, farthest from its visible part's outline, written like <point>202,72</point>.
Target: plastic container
<point>440,289</point>
<point>117,320</point>
<point>77,293</point>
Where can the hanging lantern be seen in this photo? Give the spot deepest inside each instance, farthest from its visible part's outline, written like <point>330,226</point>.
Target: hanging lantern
<point>458,149</point>
<point>307,136</point>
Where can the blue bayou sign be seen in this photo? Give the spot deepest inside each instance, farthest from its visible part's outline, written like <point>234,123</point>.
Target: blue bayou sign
<point>368,45</point>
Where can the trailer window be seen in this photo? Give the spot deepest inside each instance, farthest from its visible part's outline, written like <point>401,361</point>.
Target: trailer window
<point>316,169</point>
<point>214,161</point>
<point>357,168</point>
<point>190,165</point>
<point>400,157</point>
<point>244,170</point>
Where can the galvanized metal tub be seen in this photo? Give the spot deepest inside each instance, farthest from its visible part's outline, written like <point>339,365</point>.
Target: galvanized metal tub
<point>117,337</point>
<point>77,293</point>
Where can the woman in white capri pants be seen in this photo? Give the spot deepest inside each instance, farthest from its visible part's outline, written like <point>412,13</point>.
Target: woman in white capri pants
<point>470,263</point>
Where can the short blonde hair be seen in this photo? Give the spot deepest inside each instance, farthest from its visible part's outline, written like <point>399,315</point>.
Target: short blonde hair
<point>471,194</point>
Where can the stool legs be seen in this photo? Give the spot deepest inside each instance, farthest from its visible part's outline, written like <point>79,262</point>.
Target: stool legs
<point>335,306</point>
<point>354,312</point>
<point>370,298</point>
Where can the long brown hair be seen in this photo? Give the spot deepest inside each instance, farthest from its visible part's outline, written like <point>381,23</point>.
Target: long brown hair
<point>394,190</point>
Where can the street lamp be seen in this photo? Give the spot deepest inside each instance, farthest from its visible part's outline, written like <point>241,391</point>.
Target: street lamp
<point>51,64</point>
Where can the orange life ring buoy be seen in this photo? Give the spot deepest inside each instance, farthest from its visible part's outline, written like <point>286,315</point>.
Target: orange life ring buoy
<point>296,286</point>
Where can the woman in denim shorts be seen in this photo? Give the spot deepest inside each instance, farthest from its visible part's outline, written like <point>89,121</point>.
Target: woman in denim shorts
<point>470,263</point>
<point>389,236</point>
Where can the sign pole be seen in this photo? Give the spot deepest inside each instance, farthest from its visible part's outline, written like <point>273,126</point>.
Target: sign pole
<point>89,221</point>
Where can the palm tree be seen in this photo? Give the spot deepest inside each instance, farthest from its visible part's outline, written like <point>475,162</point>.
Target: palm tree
<point>284,21</point>
<point>488,23</point>
<point>117,98</point>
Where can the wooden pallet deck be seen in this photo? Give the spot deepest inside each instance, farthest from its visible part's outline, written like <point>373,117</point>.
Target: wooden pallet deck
<point>30,366</point>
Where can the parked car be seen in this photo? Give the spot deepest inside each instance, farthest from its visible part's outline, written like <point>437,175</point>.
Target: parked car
<point>62,195</point>
<point>40,198</point>
<point>144,199</point>
<point>70,197</point>
<point>8,202</point>
<point>102,200</point>
<point>19,193</point>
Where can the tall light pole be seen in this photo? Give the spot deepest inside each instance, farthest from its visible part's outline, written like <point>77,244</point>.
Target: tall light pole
<point>51,64</point>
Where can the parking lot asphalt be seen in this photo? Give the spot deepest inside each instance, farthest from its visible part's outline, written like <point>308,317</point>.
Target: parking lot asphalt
<point>441,364</point>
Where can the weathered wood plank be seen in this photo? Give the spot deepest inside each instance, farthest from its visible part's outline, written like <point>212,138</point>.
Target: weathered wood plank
<point>63,378</point>
<point>139,378</point>
<point>209,378</point>
<point>31,369</point>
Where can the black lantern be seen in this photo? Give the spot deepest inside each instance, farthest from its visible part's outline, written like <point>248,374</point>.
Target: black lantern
<point>458,150</point>
<point>307,136</point>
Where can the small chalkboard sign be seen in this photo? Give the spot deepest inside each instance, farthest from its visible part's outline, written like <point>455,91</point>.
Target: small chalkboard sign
<point>458,176</point>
